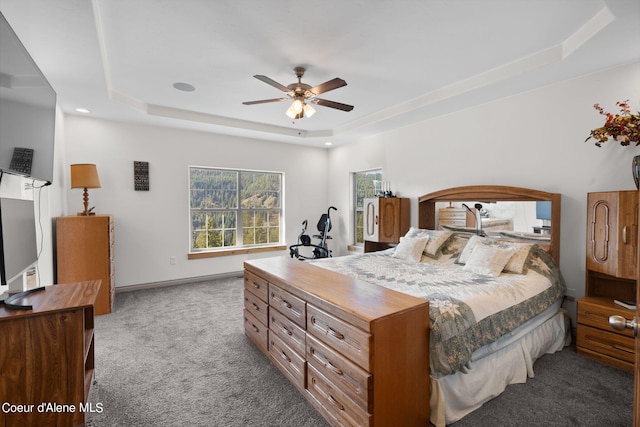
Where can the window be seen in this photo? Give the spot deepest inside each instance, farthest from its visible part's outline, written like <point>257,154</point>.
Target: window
<point>234,208</point>
<point>365,184</point>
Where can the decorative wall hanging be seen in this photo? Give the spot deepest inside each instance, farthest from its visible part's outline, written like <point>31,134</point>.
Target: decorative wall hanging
<point>21,160</point>
<point>141,176</point>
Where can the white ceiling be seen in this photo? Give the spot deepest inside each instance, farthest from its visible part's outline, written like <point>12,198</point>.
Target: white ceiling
<point>403,60</point>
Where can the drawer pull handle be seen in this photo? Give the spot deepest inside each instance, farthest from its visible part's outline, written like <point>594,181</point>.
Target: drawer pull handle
<point>625,349</point>
<point>334,368</point>
<point>255,285</point>
<point>335,333</point>
<point>285,357</point>
<point>283,301</point>
<point>286,330</point>
<point>336,403</point>
<point>255,306</point>
<point>255,328</point>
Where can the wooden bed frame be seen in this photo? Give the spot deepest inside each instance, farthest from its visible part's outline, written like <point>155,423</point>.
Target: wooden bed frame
<point>358,353</point>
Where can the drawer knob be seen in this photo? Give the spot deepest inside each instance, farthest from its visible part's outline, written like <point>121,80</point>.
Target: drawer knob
<point>619,323</point>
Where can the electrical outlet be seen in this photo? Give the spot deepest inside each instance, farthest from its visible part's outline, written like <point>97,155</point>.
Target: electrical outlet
<point>172,260</point>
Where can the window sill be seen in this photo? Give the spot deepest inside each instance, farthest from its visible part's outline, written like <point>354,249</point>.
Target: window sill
<point>355,248</point>
<point>236,251</point>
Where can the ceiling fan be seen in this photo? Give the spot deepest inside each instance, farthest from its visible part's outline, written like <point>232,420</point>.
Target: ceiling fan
<point>302,94</point>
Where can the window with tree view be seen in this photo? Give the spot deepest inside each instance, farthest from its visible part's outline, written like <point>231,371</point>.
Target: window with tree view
<point>234,208</point>
<point>365,184</point>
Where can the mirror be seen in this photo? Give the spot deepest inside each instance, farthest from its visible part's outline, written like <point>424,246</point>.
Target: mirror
<point>524,218</point>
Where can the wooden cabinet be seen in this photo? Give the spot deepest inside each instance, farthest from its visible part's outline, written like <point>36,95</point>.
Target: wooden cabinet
<point>85,251</point>
<point>612,239</point>
<point>47,356</point>
<point>386,219</point>
<point>358,352</point>
<point>612,266</point>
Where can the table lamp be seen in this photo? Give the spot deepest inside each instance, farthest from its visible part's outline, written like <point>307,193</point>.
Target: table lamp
<point>85,176</point>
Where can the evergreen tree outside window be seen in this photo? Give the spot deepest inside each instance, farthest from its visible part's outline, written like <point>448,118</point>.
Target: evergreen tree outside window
<point>234,208</point>
<point>365,184</point>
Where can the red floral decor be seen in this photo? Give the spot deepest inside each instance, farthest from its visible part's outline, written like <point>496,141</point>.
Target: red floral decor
<point>623,127</point>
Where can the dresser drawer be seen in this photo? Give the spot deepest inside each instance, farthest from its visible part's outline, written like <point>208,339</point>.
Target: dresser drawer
<point>609,343</point>
<point>594,313</point>
<point>352,342</point>
<point>288,304</point>
<point>256,306</point>
<point>334,401</point>
<point>348,377</point>
<point>256,285</point>
<point>255,330</point>
<point>291,363</point>
<point>292,334</point>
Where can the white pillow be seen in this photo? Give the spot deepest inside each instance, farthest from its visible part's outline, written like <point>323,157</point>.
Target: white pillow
<point>410,248</point>
<point>489,260</point>
<point>437,239</point>
<point>516,264</point>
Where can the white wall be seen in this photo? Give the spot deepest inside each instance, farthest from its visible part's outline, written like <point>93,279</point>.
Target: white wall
<point>152,226</point>
<point>532,140</point>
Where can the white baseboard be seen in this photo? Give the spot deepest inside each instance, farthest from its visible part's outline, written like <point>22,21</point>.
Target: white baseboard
<point>188,280</point>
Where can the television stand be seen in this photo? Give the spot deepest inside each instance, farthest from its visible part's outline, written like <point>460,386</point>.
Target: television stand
<point>9,301</point>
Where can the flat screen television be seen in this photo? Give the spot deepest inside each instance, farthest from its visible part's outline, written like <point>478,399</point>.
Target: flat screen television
<point>18,244</point>
<point>27,111</point>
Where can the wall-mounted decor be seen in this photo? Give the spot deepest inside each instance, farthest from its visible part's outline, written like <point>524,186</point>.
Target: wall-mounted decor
<point>141,176</point>
<point>22,160</point>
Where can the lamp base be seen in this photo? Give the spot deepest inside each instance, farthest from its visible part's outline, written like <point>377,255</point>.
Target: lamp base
<point>86,213</point>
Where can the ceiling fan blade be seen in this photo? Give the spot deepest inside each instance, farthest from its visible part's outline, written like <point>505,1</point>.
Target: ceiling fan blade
<point>327,86</point>
<point>271,82</point>
<point>332,104</point>
<point>264,101</point>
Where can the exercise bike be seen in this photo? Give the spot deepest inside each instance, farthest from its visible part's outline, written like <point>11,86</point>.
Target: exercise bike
<point>320,250</point>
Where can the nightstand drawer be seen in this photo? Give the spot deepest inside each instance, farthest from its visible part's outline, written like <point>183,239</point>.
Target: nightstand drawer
<point>256,285</point>
<point>596,312</point>
<point>609,343</point>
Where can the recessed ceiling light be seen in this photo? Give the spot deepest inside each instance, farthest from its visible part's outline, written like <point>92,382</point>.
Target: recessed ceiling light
<point>328,143</point>
<point>185,87</point>
<point>83,110</point>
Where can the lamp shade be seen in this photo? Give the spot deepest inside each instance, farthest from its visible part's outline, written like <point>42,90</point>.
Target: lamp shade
<point>84,176</point>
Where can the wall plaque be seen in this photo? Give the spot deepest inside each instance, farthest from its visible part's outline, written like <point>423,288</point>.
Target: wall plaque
<point>21,160</point>
<point>141,176</point>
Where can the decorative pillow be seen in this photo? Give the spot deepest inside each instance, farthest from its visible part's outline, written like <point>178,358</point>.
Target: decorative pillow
<point>435,244</point>
<point>488,260</point>
<point>410,248</point>
<point>437,239</point>
<point>517,263</point>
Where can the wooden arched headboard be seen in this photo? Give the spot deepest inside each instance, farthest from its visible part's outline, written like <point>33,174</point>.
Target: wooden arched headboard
<point>492,193</point>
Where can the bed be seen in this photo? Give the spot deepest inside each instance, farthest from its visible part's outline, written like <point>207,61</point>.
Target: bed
<point>494,303</point>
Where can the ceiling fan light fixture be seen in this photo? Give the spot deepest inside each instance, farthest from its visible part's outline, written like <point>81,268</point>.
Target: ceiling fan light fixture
<point>309,110</point>
<point>296,110</point>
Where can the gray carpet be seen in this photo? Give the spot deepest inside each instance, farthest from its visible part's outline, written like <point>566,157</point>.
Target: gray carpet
<point>177,356</point>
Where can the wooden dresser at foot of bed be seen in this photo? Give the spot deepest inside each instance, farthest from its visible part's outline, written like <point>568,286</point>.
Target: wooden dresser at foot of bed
<point>359,353</point>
